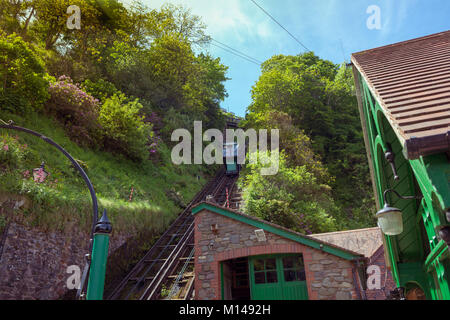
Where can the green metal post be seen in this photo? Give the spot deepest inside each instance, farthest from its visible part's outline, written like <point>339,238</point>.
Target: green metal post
<point>97,270</point>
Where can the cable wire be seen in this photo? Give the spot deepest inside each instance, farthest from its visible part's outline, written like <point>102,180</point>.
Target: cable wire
<point>236,54</point>
<point>239,52</point>
<point>268,14</point>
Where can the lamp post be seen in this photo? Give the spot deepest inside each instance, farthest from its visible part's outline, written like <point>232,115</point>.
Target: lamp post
<point>100,247</point>
<point>100,231</point>
<point>389,218</point>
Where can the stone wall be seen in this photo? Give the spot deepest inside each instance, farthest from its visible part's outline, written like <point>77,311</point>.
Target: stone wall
<point>331,277</point>
<point>328,277</point>
<point>33,264</point>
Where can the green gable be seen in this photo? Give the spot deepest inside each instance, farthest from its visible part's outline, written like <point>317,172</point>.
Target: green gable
<point>278,230</point>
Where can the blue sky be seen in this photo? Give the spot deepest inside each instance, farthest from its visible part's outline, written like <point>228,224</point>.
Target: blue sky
<point>333,29</point>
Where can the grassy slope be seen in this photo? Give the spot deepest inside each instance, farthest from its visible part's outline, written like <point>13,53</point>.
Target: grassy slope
<point>66,203</point>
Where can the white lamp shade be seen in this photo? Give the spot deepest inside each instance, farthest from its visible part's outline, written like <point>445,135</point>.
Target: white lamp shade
<point>390,221</point>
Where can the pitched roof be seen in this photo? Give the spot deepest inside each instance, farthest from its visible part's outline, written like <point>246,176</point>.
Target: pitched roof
<point>278,230</point>
<point>363,241</point>
<point>411,82</point>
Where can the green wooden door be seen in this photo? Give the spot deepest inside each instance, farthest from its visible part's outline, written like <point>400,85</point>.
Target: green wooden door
<point>294,278</point>
<point>277,277</point>
<point>264,279</point>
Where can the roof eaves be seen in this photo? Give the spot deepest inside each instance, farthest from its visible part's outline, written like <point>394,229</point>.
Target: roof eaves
<point>431,36</point>
<point>414,145</point>
<point>383,106</point>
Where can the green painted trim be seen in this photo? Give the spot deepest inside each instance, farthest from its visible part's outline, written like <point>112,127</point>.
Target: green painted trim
<point>281,232</point>
<point>393,262</point>
<point>435,255</point>
<point>367,142</point>
<point>412,272</point>
<point>378,101</point>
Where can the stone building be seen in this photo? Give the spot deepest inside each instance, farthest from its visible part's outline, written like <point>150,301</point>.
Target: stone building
<point>368,242</point>
<point>242,257</point>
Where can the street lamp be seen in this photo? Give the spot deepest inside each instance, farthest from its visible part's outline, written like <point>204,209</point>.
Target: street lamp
<point>389,218</point>
<point>95,267</point>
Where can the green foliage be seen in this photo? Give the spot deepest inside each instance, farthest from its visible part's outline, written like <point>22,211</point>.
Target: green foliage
<point>296,85</point>
<point>292,198</point>
<point>174,120</point>
<point>141,52</point>
<point>23,81</point>
<point>295,143</point>
<point>206,90</point>
<point>12,152</point>
<point>312,102</point>
<point>100,89</point>
<point>178,19</point>
<point>63,200</point>
<point>123,128</point>
<point>121,54</point>
<point>172,65</point>
<point>164,291</point>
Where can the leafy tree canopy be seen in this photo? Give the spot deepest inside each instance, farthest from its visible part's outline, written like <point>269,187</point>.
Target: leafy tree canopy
<point>311,101</point>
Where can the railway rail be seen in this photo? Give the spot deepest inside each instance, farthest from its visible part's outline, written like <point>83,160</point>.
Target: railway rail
<point>166,270</point>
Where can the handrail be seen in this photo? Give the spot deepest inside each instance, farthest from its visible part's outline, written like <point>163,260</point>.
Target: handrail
<point>10,125</point>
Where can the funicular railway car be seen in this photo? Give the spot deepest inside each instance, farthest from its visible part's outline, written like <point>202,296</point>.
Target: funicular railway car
<point>230,158</point>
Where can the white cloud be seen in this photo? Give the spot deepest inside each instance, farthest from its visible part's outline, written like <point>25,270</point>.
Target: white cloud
<point>225,19</point>
<point>394,16</point>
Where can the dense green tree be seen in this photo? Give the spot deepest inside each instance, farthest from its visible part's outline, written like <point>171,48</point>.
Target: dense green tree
<point>316,97</point>
<point>144,54</point>
<point>179,19</point>
<point>295,143</point>
<point>23,80</point>
<point>123,127</point>
<point>293,198</point>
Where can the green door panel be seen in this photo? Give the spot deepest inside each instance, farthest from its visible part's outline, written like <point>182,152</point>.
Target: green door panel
<point>294,278</point>
<point>265,278</point>
<point>277,277</point>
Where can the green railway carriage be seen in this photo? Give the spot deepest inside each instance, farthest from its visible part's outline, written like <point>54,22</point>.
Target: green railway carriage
<point>403,93</point>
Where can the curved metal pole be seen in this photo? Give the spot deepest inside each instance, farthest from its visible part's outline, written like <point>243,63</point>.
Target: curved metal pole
<point>398,195</point>
<point>10,125</point>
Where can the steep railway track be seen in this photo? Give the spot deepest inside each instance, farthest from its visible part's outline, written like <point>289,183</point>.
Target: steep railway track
<point>169,263</point>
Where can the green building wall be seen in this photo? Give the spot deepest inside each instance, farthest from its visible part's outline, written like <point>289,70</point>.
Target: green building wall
<point>417,257</point>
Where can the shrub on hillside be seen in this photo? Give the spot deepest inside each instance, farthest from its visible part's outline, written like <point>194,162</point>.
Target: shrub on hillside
<point>23,80</point>
<point>100,89</point>
<point>76,110</point>
<point>12,152</point>
<point>124,128</point>
<point>173,120</point>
